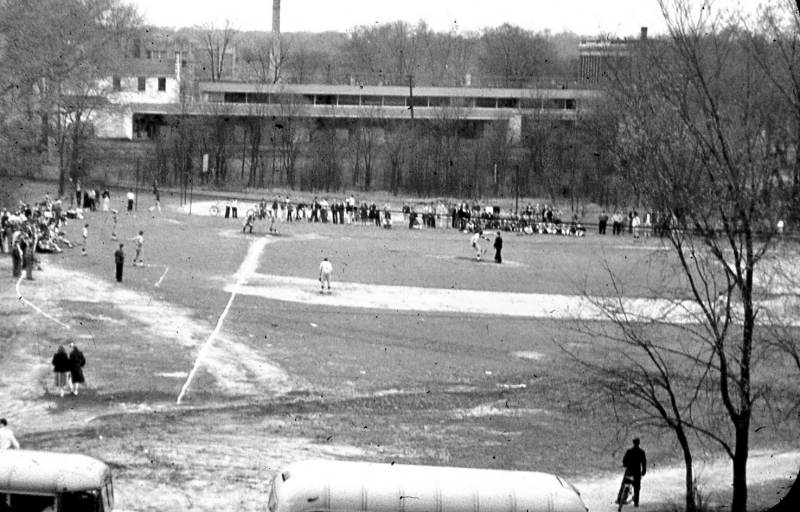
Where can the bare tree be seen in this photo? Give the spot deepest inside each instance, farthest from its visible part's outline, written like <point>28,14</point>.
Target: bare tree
<point>53,48</point>
<point>515,55</point>
<point>695,145</point>
<point>775,45</point>
<point>365,149</point>
<point>256,54</point>
<point>215,42</point>
<point>396,154</point>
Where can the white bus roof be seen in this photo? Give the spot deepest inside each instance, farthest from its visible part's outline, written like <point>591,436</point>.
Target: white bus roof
<point>35,472</point>
<point>333,486</point>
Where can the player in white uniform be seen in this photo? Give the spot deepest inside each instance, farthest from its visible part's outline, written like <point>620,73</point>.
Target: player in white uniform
<point>475,242</point>
<point>325,271</point>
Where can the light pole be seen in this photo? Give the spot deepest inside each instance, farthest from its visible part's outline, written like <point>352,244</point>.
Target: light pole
<point>191,192</point>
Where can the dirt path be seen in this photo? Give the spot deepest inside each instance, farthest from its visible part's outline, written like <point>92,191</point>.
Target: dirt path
<point>666,485</point>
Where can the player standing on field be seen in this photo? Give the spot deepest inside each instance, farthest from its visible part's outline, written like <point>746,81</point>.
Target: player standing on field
<point>325,271</point>
<point>475,242</point>
<point>139,239</point>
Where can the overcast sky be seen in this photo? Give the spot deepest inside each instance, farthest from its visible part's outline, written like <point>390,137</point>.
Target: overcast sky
<point>585,17</point>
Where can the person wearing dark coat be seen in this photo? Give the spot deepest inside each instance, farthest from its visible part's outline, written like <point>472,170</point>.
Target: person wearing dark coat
<point>28,258</point>
<point>498,248</point>
<point>61,368</point>
<point>635,464</point>
<point>16,259</point>
<point>76,364</point>
<point>119,261</point>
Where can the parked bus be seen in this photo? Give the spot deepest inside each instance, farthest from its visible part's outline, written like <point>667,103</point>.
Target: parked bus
<point>33,481</point>
<point>331,486</point>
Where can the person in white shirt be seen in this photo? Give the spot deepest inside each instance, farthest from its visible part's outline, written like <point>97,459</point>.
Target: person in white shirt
<point>325,271</point>
<point>7,439</point>
<point>139,239</point>
<point>131,198</point>
<point>475,242</point>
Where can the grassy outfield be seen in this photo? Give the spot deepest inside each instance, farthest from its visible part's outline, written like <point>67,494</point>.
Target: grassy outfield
<point>287,380</point>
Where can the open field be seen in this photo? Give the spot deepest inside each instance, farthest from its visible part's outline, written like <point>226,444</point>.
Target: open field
<point>408,360</point>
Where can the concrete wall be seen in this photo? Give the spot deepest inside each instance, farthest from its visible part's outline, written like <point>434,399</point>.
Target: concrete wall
<point>113,123</point>
<point>129,92</point>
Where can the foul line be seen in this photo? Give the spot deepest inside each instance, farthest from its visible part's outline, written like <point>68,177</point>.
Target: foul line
<point>247,268</point>
<point>158,283</point>
<point>31,304</point>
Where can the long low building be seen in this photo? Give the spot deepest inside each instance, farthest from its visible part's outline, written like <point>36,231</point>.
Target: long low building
<point>138,113</point>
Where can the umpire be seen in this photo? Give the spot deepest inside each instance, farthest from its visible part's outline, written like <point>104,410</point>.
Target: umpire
<point>635,464</point>
<point>119,260</point>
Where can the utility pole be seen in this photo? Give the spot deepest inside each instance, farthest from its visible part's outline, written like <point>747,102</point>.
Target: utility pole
<point>191,192</point>
<point>136,194</point>
<point>411,98</point>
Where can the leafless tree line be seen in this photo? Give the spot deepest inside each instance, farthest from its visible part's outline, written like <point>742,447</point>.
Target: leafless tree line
<point>708,132</point>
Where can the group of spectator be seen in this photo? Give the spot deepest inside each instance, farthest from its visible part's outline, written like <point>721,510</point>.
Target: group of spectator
<point>461,216</point>
<point>340,211</point>
<point>91,198</point>
<point>32,228</point>
<point>633,224</point>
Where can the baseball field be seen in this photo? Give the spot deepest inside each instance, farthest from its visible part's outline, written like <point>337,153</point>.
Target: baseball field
<point>219,360</point>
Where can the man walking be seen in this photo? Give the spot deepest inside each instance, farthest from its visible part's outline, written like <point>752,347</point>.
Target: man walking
<point>131,198</point>
<point>7,439</point>
<point>325,271</point>
<point>635,464</point>
<point>119,261</point>
<point>139,239</point>
<point>498,248</point>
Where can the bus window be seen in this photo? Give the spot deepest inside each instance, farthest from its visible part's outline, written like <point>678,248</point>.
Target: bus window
<point>31,503</point>
<point>82,501</point>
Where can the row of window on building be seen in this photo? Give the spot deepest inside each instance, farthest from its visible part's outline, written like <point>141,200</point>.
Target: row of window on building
<point>392,101</point>
<point>141,84</point>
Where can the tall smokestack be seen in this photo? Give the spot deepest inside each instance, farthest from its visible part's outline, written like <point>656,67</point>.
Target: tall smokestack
<point>276,39</point>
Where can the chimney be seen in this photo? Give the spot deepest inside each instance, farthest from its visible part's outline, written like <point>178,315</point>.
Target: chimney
<point>644,34</point>
<point>276,38</point>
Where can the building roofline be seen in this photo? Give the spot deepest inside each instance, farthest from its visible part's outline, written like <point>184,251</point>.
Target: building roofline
<point>393,90</point>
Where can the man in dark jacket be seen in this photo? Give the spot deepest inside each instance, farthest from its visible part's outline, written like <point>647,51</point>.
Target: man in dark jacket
<point>498,248</point>
<point>119,260</point>
<point>635,464</point>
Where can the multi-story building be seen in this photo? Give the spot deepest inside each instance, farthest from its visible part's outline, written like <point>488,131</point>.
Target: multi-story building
<point>600,57</point>
<point>165,78</point>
